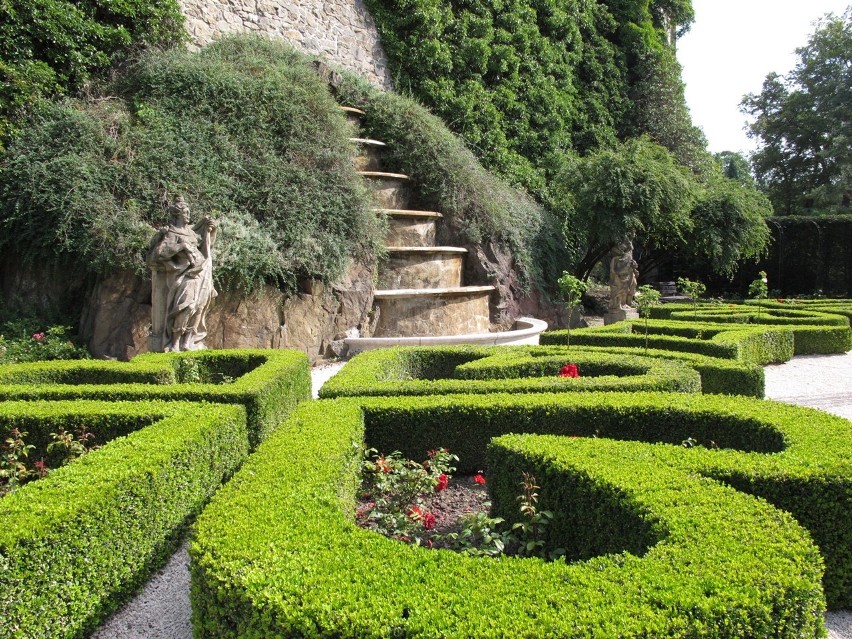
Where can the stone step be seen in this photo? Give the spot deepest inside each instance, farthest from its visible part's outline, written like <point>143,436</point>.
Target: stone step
<point>353,115</point>
<point>410,228</point>
<point>370,158</point>
<point>422,267</point>
<point>390,190</point>
<point>444,311</point>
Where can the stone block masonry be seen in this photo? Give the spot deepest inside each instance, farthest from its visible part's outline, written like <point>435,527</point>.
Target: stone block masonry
<point>342,31</point>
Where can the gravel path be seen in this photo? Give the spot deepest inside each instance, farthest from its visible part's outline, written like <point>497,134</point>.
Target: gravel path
<point>162,610</point>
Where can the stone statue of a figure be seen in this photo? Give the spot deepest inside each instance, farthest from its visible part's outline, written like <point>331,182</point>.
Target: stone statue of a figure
<point>623,274</point>
<point>180,257</point>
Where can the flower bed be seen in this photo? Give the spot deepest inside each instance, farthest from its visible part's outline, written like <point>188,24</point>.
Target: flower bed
<point>79,542</point>
<point>269,383</point>
<point>277,553</point>
<point>522,369</point>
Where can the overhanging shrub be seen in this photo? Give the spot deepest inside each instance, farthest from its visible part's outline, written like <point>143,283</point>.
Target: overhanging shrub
<point>244,129</point>
<point>521,369</point>
<point>269,383</point>
<point>253,576</point>
<point>77,544</point>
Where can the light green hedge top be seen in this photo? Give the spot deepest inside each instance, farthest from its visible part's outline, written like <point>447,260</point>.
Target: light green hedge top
<point>756,344</point>
<point>277,554</point>
<point>78,543</point>
<point>522,369</point>
<point>269,383</point>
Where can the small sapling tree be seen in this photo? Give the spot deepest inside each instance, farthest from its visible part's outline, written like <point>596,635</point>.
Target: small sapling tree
<point>646,298</point>
<point>759,290</point>
<point>695,290</point>
<point>572,289</point>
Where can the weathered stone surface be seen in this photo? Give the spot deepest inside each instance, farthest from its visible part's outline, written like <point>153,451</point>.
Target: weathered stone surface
<point>340,30</point>
<point>432,314</point>
<point>390,192</point>
<point>116,317</point>
<point>411,231</point>
<point>620,314</point>
<point>428,268</point>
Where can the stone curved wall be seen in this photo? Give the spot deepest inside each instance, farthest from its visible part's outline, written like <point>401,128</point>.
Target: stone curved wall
<point>342,31</point>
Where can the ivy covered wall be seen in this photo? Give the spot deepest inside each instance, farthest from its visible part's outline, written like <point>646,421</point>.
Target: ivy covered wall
<point>525,80</point>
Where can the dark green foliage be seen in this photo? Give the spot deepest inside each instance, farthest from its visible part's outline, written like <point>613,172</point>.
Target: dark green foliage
<point>520,369</point>
<point>478,207</point>
<point>803,127</point>
<point>719,564</point>
<point>524,82</point>
<point>632,188</point>
<point>244,129</point>
<point>810,255</point>
<point>79,543</point>
<point>729,225</point>
<point>269,383</point>
<point>51,47</point>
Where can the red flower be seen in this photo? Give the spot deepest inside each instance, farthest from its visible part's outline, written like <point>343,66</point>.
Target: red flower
<point>779,300</point>
<point>479,478</point>
<point>38,336</point>
<point>416,513</point>
<point>443,480</point>
<point>382,465</point>
<point>569,370</point>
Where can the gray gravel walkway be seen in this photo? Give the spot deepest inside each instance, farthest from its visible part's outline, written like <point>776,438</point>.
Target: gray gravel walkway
<point>162,610</point>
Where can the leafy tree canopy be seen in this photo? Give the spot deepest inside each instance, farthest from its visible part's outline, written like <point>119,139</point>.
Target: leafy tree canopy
<point>803,125</point>
<point>635,187</point>
<point>50,47</point>
<point>524,80</point>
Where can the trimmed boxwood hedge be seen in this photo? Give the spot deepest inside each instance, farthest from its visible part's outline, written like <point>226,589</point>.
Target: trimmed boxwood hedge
<point>756,344</point>
<point>269,383</point>
<point>718,375</point>
<point>521,369</point>
<point>816,329</point>
<point>77,544</point>
<point>277,553</point>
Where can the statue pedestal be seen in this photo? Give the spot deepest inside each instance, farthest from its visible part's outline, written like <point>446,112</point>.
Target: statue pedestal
<point>620,315</point>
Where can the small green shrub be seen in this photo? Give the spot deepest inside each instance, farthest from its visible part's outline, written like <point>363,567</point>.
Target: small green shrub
<point>51,344</point>
<point>80,542</point>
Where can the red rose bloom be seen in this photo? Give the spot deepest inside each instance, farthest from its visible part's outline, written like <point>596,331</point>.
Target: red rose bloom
<point>443,480</point>
<point>479,478</point>
<point>428,521</point>
<point>569,370</point>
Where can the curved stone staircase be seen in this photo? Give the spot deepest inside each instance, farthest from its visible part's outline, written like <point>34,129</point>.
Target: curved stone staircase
<point>420,296</point>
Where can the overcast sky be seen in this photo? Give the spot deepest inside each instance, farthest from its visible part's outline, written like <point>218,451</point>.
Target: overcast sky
<point>730,49</point>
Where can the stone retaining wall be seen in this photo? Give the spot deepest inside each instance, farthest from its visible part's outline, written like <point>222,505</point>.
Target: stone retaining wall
<point>342,31</point>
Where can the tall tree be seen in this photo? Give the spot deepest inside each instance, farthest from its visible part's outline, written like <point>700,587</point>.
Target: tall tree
<point>804,125</point>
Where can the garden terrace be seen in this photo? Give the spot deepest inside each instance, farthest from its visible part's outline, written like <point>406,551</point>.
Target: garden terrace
<point>522,369</point>
<point>77,543</point>
<point>269,383</point>
<point>277,553</point>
